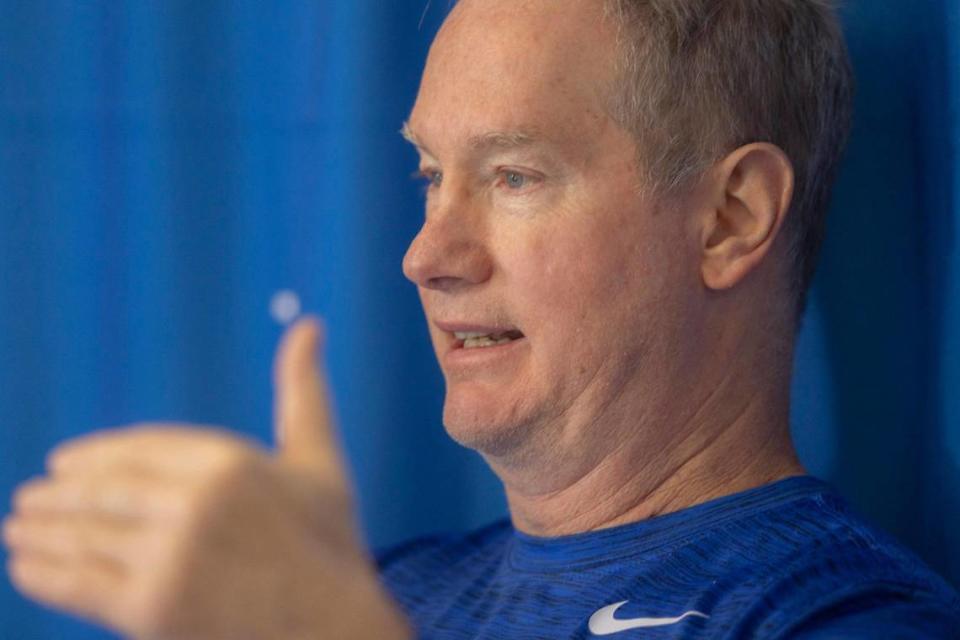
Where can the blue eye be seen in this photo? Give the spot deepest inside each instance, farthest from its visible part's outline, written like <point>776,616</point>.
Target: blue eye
<point>515,180</point>
<point>430,178</point>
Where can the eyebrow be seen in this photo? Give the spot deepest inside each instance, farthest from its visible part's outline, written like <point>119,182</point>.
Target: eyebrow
<point>410,136</point>
<point>502,140</point>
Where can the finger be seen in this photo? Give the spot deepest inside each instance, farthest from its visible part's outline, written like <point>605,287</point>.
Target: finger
<point>159,447</point>
<point>302,409</point>
<point>124,498</point>
<point>86,589</point>
<point>69,540</point>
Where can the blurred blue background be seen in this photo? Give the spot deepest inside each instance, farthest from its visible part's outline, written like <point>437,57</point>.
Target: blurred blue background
<point>167,166</point>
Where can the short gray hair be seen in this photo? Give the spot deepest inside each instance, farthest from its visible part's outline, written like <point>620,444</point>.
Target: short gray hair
<point>701,78</point>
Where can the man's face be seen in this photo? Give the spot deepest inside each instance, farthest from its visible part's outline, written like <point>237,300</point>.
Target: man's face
<point>534,225</point>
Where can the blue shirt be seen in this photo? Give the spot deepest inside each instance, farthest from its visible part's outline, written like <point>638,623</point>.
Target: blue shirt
<point>786,560</point>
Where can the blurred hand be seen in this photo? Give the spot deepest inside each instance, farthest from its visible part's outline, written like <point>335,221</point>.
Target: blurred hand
<point>162,531</point>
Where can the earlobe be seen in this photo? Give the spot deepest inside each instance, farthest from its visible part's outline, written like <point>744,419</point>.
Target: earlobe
<point>752,189</point>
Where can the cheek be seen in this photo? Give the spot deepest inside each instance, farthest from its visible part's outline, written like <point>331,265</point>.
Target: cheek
<point>612,282</point>
<point>577,271</point>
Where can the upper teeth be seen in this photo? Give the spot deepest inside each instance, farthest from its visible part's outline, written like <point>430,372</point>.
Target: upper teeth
<point>474,339</point>
<point>466,335</point>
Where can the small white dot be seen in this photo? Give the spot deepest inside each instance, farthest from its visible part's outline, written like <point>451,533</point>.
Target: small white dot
<point>285,306</point>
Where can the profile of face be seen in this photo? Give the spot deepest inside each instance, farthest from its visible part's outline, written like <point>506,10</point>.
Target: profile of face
<point>537,234</point>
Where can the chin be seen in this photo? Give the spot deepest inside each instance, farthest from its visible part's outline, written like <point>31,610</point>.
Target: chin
<point>489,428</point>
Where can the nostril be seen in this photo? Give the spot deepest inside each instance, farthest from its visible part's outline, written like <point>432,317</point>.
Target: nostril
<point>441,283</point>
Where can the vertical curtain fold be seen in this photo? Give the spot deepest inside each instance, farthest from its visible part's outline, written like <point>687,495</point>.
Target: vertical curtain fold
<point>166,167</point>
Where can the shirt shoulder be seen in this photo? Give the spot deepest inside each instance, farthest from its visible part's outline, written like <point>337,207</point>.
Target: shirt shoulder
<point>822,571</point>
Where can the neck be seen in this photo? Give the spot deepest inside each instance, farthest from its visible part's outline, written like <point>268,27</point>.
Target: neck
<point>733,439</point>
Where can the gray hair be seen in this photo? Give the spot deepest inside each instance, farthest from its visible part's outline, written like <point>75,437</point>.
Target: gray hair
<point>701,78</point>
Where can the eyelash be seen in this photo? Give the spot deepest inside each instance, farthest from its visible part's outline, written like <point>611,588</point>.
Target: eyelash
<point>431,178</point>
<point>426,179</point>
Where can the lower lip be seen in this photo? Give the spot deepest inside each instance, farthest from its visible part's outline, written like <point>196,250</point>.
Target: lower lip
<point>480,356</point>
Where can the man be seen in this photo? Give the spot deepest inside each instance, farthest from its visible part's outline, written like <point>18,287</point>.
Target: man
<point>625,202</point>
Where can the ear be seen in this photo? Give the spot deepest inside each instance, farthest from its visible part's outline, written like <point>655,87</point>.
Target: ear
<point>751,190</point>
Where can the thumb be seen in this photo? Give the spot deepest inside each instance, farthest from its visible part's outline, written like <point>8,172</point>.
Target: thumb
<point>303,423</point>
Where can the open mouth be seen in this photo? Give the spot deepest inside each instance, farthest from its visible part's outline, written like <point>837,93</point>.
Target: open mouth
<point>470,340</point>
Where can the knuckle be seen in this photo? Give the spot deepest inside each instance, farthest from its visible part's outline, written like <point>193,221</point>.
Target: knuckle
<point>11,530</point>
<point>17,572</point>
<point>231,457</point>
<point>27,493</point>
<point>52,459</point>
<point>225,483</point>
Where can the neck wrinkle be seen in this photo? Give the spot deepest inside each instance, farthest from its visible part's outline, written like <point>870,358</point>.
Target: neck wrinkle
<point>750,448</point>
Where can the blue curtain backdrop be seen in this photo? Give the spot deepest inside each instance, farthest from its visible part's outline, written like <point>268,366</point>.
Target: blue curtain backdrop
<point>166,166</point>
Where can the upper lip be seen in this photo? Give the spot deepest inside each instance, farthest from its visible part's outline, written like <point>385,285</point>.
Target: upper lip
<point>469,327</point>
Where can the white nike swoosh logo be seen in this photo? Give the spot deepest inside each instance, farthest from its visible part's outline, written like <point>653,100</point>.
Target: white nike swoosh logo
<point>602,623</point>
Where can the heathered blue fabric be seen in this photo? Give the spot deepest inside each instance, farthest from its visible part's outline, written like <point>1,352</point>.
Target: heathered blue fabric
<point>786,560</point>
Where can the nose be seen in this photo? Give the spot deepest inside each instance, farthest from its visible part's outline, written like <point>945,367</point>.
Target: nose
<point>448,253</point>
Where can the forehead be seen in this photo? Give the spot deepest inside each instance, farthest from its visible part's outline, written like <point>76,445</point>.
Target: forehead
<point>539,66</point>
